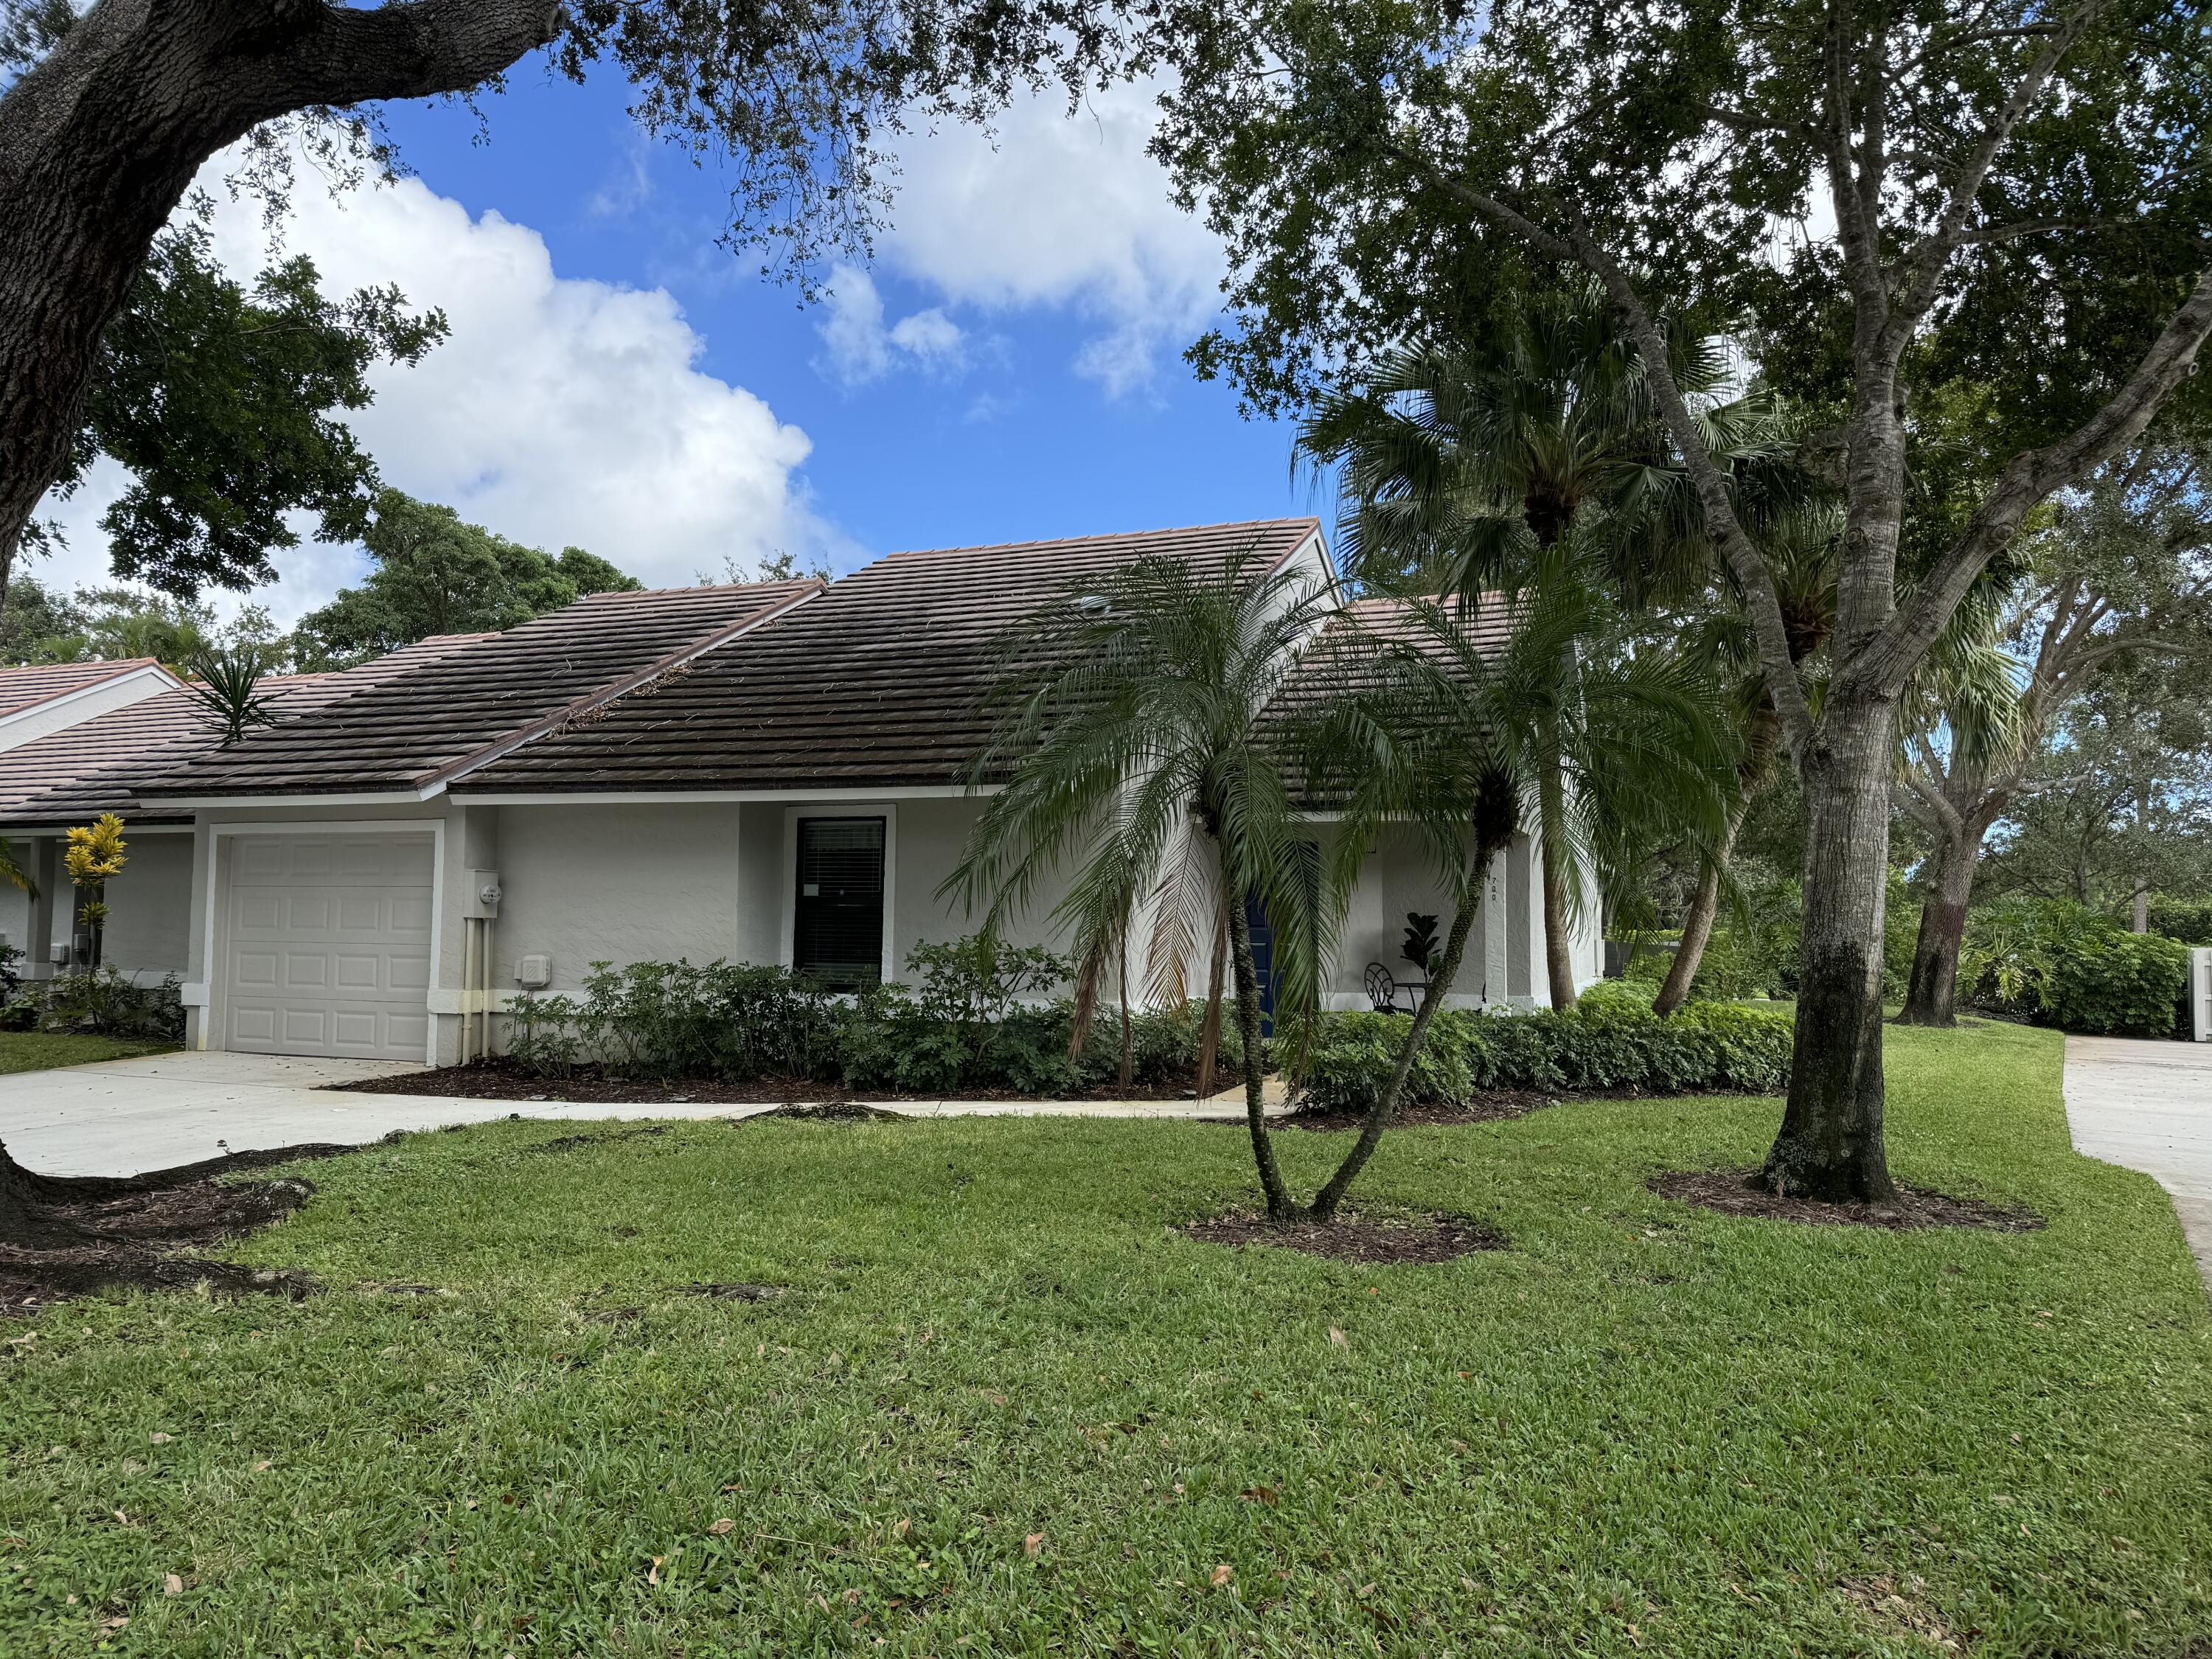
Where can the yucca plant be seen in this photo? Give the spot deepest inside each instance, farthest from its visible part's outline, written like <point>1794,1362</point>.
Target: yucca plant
<point>227,682</point>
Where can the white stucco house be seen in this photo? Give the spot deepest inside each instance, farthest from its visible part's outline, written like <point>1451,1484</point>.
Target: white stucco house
<point>772,773</point>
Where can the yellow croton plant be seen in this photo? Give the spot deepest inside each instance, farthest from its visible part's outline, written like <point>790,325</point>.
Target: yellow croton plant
<point>96,853</point>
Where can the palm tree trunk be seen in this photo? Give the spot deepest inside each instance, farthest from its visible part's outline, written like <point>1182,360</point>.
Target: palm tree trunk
<point>1279,1206</point>
<point>1386,1103</point>
<point>1766,731</point>
<point>1128,1053</point>
<point>1559,960</point>
<point>1209,1034</point>
<point>1697,929</point>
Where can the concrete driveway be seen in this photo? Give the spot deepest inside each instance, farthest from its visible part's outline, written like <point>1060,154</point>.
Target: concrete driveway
<point>2149,1106</point>
<point>125,1117</point>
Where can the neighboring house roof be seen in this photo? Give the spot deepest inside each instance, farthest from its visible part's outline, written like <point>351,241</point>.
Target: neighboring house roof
<point>414,728</point>
<point>37,699</point>
<point>879,683</point>
<point>36,683</point>
<point>99,765</point>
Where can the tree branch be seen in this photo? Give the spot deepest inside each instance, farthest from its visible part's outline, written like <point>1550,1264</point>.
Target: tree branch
<point>1924,265</point>
<point>1752,572</point>
<point>2032,476</point>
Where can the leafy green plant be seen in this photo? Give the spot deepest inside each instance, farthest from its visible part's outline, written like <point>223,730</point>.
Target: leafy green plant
<point>101,1002</point>
<point>969,1020</point>
<point>1421,947</point>
<point>2189,920</point>
<point>2060,963</point>
<point>1610,1040</point>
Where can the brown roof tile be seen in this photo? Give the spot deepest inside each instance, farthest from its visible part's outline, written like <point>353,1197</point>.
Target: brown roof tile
<point>34,683</point>
<point>878,683</point>
<point>411,728</point>
<point>99,765</point>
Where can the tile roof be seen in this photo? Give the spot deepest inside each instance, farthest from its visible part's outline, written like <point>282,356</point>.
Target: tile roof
<point>99,765</point>
<point>878,683</point>
<point>26,687</point>
<point>412,728</point>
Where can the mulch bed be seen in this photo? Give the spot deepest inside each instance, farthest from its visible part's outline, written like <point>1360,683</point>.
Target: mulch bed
<point>500,1079</point>
<point>1377,1239</point>
<point>138,1232</point>
<point>1494,1106</point>
<point>1730,1192</point>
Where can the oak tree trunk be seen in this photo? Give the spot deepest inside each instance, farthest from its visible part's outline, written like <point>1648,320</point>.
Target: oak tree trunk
<point>1931,998</point>
<point>1830,1143</point>
<point>100,141</point>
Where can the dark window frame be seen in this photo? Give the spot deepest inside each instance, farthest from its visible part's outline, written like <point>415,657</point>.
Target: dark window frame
<point>827,929</point>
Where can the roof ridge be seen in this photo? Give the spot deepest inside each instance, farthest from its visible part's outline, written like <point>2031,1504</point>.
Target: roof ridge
<point>1101,536</point>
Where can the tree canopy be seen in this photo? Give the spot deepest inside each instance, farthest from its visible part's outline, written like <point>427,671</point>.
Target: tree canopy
<point>225,403</point>
<point>434,573</point>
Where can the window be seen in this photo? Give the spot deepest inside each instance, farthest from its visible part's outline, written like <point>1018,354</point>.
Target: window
<point>837,916</point>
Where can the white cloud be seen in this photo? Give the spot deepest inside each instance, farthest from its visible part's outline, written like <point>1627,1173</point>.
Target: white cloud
<point>559,411</point>
<point>1061,211</point>
<point>858,348</point>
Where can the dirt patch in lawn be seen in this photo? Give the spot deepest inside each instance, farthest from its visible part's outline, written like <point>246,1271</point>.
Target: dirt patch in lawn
<point>1378,1239</point>
<point>500,1079</point>
<point>831,1111</point>
<point>1493,1106</point>
<point>76,1234</point>
<point>1730,1192</point>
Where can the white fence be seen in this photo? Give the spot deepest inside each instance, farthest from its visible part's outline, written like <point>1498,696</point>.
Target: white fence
<point>2200,991</point>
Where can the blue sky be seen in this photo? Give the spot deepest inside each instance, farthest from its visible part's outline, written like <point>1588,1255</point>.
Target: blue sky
<point>1008,368</point>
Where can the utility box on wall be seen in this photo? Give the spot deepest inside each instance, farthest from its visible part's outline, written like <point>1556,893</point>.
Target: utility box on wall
<point>533,973</point>
<point>480,895</point>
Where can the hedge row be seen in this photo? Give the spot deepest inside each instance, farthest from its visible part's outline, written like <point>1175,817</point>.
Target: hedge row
<point>964,1025</point>
<point>1611,1041</point>
<point>2062,965</point>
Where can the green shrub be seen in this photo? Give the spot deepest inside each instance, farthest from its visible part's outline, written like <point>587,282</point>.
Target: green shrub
<point>968,1020</point>
<point>2060,963</point>
<point>104,1003</point>
<point>670,1019</point>
<point>2189,920</point>
<point>1612,1041</point>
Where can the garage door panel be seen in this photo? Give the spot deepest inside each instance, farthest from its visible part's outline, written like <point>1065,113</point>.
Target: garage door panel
<point>328,948</point>
<point>306,971</point>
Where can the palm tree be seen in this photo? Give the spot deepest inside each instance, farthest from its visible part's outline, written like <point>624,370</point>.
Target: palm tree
<point>1133,742</point>
<point>1429,727</point>
<point>1801,541</point>
<point>1466,466</point>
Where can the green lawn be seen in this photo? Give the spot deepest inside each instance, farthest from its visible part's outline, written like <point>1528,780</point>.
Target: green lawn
<point>1644,1430</point>
<point>38,1051</point>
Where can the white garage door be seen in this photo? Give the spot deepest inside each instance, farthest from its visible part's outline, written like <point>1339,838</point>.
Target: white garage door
<point>328,946</point>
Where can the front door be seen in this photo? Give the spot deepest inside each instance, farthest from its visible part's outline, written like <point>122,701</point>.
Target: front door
<point>837,916</point>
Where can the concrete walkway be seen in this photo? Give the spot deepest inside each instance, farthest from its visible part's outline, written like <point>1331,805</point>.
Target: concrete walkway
<point>125,1117</point>
<point>2149,1106</point>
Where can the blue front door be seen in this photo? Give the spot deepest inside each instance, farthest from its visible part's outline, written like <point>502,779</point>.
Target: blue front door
<point>1263,955</point>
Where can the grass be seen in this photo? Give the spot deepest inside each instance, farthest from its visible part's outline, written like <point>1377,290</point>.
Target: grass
<point>40,1051</point>
<point>1644,1430</point>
